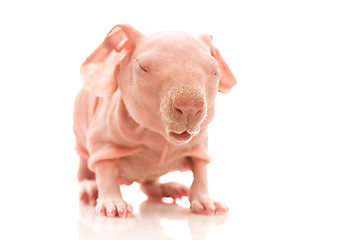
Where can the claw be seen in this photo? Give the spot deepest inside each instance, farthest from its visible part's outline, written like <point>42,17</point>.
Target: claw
<point>113,207</point>
<point>88,192</point>
<point>208,207</point>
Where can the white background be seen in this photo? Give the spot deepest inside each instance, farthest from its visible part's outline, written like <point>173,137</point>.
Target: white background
<point>285,144</point>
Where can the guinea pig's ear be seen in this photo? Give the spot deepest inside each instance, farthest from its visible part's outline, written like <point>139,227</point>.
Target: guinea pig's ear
<point>227,80</point>
<point>98,70</point>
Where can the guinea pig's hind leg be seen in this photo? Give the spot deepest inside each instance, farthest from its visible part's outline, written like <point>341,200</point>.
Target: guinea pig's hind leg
<point>83,170</point>
<point>154,189</point>
<point>88,191</point>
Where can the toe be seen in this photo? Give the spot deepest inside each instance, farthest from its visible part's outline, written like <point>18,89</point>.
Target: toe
<point>129,210</point>
<point>88,192</point>
<point>174,193</point>
<point>221,208</point>
<point>111,211</point>
<point>93,197</point>
<point>209,207</point>
<point>121,208</point>
<point>197,207</point>
<point>181,191</point>
<point>112,207</point>
<point>100,210</point>
<point>174,190</point>
<point>184,191</point>
<point>83,197</point>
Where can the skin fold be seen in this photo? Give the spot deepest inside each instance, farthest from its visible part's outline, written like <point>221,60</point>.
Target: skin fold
<point>143,112</point>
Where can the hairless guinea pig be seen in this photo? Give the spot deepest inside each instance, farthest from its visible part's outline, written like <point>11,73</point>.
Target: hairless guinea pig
<point>143,112</point>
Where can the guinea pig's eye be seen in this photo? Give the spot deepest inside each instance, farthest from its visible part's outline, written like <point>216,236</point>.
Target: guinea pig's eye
<point>141,66</point>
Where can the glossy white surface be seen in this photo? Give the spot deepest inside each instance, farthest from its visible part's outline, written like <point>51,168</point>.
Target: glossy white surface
<point>152,220</point>
<point>285,144</point>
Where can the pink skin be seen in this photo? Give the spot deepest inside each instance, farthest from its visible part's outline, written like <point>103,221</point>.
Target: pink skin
<point>143,112</point>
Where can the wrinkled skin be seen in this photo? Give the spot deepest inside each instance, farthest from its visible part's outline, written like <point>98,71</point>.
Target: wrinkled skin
<point>143,112</point>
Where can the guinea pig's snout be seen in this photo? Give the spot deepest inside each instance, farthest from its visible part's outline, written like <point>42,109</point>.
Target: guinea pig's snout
<point>183,110</point>
<point>189,104</point>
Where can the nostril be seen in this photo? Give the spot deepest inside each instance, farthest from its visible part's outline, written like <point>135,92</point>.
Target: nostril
<point>178,110</point>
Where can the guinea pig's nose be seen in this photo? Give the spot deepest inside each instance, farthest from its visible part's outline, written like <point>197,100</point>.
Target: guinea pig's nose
<point>189,105</point>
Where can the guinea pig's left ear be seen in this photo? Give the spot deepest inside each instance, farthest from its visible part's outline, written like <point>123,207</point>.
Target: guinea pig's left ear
<point>227,80</point>
<point>98,70</point>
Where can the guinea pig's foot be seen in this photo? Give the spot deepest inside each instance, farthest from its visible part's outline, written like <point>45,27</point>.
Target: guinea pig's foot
<point>88,192</point>
<point>173,190</point>
<point>155,189</point>
<point>207,206</point>
<point>113,206</point>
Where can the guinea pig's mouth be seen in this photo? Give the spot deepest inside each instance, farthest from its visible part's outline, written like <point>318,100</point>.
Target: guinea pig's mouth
<point>180,138</point>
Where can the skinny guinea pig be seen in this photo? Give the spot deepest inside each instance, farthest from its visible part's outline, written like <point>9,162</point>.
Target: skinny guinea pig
<point>143,112</point>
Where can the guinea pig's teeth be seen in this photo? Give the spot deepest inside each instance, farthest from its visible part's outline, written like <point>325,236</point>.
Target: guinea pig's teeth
<point>195,132</point>
<point>177,132</point>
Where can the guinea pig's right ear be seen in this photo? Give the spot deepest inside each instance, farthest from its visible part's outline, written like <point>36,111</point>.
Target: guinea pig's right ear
<point>227,79</point>
<point>98,70</point>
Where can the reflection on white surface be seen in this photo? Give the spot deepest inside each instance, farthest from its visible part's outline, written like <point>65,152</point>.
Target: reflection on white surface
<point>152,220</point>
<point>285,144</point>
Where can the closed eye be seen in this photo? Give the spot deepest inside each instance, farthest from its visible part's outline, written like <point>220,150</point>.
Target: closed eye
<point>141,66</point>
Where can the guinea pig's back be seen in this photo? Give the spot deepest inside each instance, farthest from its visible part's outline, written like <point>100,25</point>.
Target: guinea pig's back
<point>84,109</point>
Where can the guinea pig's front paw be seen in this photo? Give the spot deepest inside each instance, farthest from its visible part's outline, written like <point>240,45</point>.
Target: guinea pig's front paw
<point>113,206</point>
<point>88,192</point>
<point>203,204</point>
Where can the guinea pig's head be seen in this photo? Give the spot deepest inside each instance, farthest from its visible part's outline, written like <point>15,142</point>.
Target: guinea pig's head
<point>168,80</point>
